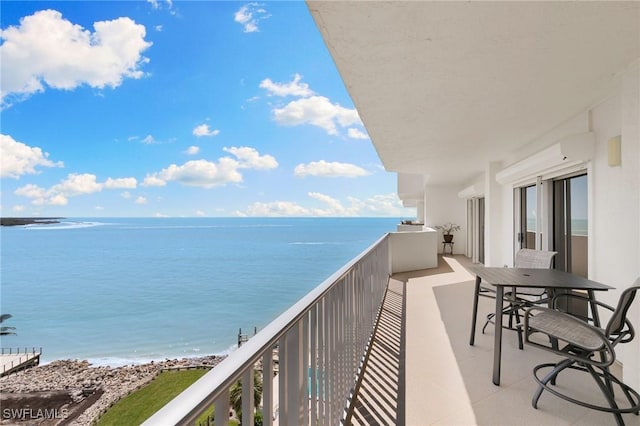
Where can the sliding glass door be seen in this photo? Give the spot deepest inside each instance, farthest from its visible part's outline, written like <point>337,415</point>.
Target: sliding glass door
<point>528,212</point>
<point>570,225</point>
<point>475,229</point>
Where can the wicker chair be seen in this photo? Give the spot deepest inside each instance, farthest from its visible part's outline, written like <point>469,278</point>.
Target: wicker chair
<point>523,297</point>
<point>586,348</point>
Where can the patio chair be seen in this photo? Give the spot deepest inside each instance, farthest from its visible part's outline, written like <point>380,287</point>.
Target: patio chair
<point>523,297</point>
<point>586,348</point>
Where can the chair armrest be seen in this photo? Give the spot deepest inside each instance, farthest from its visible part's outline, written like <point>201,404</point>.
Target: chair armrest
<point>577,296</point>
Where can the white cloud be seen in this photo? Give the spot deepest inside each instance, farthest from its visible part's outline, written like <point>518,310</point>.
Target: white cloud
<point>126,195</point>
<point>275,208</point>
<point>200,213</point>
<point>55,200</point>
<point>31,191</point>
<point>74,185</point>
<point>158,28</point>
<point>325,169</point>
<point>153,180</point>
<point>250,158</point>
<point>77,184</point>
<point>205,130</point>
<point>148,140</point>
<point>99,208</point>
<point>17,158</point>
<point>208,174</point>
<point>293,88</point>
<point>317,111</point>
<point>141,200</point>
<point>378,205</point>
<point>156,4</point>
<point>192,150</point>
<point>46,49</point>
<point>203,173</point>
<point>250,15</point>
<point>19,208</point>
<point>333,206</point>
<point>381,205</point>
<point>354,133</point>
<point>121,183</point>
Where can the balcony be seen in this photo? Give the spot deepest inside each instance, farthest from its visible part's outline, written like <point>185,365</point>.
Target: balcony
<point>370,346</point>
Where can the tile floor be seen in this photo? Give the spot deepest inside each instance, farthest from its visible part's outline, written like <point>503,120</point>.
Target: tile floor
<point>448,382</point>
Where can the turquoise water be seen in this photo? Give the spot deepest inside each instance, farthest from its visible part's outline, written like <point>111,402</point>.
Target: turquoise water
<point>117,291</point>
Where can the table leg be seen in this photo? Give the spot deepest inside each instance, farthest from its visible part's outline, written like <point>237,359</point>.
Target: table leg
<point>474,314</point>
<point>497,343</point>
<point>594,308</point>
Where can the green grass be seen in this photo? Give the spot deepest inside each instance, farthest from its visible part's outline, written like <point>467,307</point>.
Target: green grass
<point>141,404</point>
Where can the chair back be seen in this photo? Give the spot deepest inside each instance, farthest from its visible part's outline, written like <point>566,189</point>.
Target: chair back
<point>616,324</point>
<point>534,259</point>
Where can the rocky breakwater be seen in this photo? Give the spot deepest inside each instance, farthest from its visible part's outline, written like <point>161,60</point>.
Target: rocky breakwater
<point>75,392</point>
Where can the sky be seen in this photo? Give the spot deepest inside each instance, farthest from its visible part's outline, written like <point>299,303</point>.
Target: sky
<point>179,109</point>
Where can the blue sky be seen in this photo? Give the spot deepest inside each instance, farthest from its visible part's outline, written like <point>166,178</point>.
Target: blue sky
<point>159,108</point>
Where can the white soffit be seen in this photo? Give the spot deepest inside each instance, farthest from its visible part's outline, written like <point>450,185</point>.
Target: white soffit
<point>571,151</point>
<point>445,87</point>
<point>410,185</point>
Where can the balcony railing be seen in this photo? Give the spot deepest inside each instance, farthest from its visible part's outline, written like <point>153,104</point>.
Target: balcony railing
<point>320,341</point>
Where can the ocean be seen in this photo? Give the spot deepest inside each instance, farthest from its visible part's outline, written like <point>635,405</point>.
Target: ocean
<point>117,291</point>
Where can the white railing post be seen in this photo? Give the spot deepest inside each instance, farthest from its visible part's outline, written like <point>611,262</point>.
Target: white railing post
<point>267,388</point>
<point>306,368</point>
<point>294,380</point>
<point>314,362</point>
<point>247,397</point>
<point>283,390</point>
<point>222,409</point>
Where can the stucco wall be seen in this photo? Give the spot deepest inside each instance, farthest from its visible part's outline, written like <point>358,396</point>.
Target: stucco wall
<point>442,206</point>
<point>615,207</point>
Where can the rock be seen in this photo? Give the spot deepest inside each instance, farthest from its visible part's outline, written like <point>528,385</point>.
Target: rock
<point>81,380</point>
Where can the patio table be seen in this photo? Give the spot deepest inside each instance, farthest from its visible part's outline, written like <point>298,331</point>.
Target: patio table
<point>551,279</point>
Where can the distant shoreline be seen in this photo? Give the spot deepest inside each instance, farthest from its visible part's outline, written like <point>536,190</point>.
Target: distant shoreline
<point>20,221</point>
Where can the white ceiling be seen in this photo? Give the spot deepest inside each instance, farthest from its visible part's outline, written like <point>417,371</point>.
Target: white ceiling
<point>444,87</point>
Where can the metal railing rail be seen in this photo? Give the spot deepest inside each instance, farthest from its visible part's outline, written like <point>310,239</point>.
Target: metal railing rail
<point>320,341</point>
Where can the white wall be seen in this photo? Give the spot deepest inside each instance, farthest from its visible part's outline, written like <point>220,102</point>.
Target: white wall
<point>442,206</point>
<point>413,251</point>
<point>615,194</point>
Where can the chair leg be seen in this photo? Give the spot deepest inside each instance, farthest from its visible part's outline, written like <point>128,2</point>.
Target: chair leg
<point>609,379</point>
<point>549,377</point>
<point>488,321</point>
<point>604,387</point>
<point>518,328</point>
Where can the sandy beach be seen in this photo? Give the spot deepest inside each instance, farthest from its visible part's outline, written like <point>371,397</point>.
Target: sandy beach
<point>73,392</point>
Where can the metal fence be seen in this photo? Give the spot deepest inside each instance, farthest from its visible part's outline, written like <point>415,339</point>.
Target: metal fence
<point>320,343</point>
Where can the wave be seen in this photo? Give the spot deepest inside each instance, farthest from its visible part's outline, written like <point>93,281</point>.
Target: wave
<point>204,226</point>
<point>63,225</point>
<point>316,243</point>
<point>119,361</point>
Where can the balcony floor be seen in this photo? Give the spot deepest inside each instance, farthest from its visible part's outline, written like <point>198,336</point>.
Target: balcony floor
<point>441,380</point>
